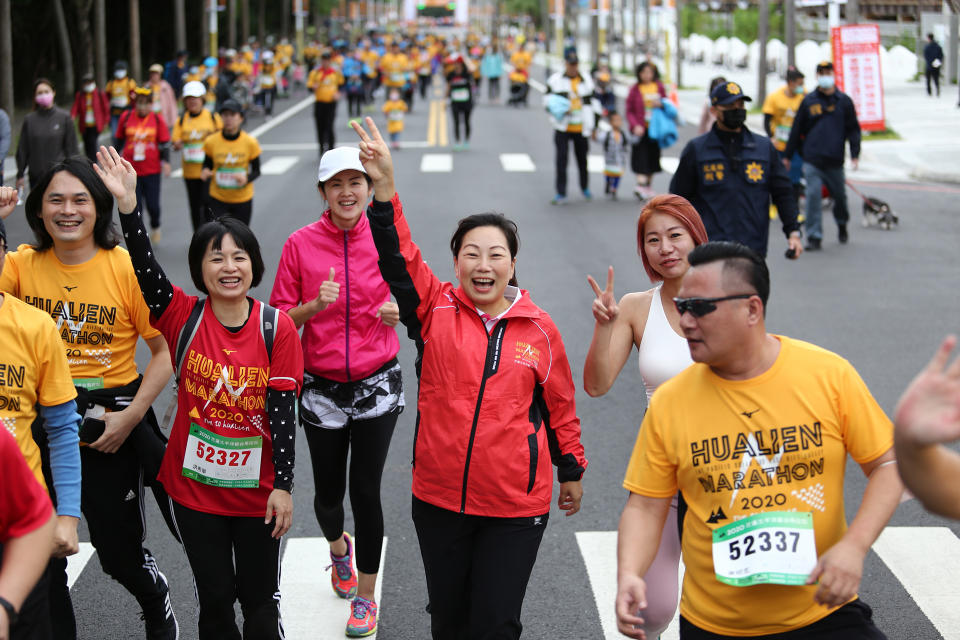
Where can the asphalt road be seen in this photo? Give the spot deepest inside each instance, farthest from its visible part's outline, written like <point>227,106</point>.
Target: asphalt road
<point>883,302</point>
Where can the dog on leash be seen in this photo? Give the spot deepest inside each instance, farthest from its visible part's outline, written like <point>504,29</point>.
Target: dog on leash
<point>878,213</point>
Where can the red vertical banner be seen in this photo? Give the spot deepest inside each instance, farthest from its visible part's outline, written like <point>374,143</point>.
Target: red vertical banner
<point>856,60</point>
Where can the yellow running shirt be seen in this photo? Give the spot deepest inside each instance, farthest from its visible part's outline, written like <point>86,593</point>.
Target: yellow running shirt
<point>32,370</point>
<point>394,68</point>
<point>776,442</point>
<point>97,307</point>
<point>782,109</point>
<point>394,110</point>
<point>325,83</point>
<point>230,158</point>
<point>192,131</point>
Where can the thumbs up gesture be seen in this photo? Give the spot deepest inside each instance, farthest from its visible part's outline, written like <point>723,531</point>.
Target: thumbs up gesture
<point>329,292</point>
<point>605,307</point>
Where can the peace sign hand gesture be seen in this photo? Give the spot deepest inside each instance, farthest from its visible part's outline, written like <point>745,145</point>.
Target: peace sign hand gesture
<point>119,177</point>
<point>928,413</point>
<point>375,157</point>
<point>605,307</point>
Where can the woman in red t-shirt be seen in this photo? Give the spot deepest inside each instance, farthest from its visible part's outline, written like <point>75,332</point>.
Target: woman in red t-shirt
<point>145,139</point>
<point>229,462</point>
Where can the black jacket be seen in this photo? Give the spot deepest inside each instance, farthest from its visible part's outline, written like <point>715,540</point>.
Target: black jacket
<point>822,126</point>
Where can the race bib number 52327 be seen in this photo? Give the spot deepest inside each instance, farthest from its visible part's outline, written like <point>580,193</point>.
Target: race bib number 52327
<point>776,547</point>
<point>219,461</point>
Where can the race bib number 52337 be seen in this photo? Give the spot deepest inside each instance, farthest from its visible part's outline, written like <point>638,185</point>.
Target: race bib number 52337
<point>776,547</point>
<point>220,461</point>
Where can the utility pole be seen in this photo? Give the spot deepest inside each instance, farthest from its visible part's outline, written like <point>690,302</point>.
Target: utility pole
<point>763,29</point>
<point>791,28</point>
<point>298,23</point>
<point>594,29</point>
<point>853,12</point>
<point>635,33</point>
<point>679,8</point>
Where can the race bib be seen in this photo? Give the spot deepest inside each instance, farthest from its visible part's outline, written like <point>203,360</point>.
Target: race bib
<point>398,78</point>
<point>193,152</point>
<point>118,102</point>
<point>156,107</point>
<point>776,547</point>
<point>90,119</point>
<point>90,384</point>
<point>229,177</point>
<point>460,94</point>
<point>576,117</point>
<point>782,133</point>
<point>232,463</point>
<point>139,152</point>
<point>395,115</point>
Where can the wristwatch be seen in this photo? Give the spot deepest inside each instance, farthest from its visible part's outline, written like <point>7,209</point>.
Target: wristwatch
<point>12,614</point>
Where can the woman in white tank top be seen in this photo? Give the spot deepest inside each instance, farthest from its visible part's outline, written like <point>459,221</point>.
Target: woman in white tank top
<point>668,229</point>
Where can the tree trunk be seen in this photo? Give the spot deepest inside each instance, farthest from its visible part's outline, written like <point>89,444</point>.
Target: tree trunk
<point>66,52</point>
<point>136,62</point>
<point>179,25</point>
<point>232,24</point>
<point>6,60</point>
<point>790,26</point>
<point>284,19</point>
<point>763,30</point>
<point>84,35</point>
<point>205,30</point>
<point>261,20</point>
<point>100,39</point>
<point>245,20</point>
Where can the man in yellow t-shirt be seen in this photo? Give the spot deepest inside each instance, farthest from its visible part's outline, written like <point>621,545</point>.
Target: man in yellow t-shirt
<point>779,110</point>
<point>231,163</point>
<point>78,275</point>
<point>325,82</point>
<point>755,437</point>
<point>118,91</point>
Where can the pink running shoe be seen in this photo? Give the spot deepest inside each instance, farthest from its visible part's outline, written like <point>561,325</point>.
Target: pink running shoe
<point>343,577</point>
<point>363,618</point>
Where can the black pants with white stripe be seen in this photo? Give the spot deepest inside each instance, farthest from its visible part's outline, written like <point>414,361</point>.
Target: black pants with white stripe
<point>233,557</point>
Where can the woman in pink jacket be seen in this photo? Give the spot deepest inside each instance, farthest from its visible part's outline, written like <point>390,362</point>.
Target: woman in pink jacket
<point>329,283</point>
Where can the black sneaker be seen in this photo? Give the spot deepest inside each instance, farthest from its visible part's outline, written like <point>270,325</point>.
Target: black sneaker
<point>813,244</point>
<point>157,615</point>
<point>842,233</point>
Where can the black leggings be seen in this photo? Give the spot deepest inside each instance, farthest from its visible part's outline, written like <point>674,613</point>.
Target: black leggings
<point>242,211</point>
<point>461,109</point>
<point>148,193</point>
<point>233,558</point>
<point>197,190</point>
<point>368,442</point>
<point>324,115</point>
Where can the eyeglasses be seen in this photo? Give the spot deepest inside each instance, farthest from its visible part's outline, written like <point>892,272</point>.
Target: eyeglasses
<point>699,307</point>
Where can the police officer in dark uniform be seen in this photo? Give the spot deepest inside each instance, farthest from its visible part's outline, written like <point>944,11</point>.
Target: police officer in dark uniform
<point>825,121</point>
<point>730,174</point>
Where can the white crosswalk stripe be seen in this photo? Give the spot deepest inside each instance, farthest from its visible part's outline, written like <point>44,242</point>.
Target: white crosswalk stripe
<point>436,163</point>
<point>310,608</point>
<point>521,162</point>
<point>77,562</point>
<point>278,165</point>
<point>595,163</point>
<point>929,578</point>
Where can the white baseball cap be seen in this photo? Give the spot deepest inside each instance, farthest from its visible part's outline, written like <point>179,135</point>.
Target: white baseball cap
<point>194,89</point>
<point>337,160</point>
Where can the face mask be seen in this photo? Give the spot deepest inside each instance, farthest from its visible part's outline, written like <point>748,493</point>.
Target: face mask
<point>89,87</point>
<point>798,90</point>
<point>119,74</point>
<point>733,118</point>
<point>45,100</point>
<point>825,82</point>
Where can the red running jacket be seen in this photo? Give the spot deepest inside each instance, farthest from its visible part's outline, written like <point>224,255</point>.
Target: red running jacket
<point>490,406</point>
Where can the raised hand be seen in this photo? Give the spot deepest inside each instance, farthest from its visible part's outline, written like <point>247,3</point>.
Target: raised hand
<point>119,177</point>
<point>375,157</point>
<point>928,412</point>
<point>605,307</point>
<point>8,201</point>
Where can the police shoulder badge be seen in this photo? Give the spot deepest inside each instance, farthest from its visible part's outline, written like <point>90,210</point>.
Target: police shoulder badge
<point>754,172</point>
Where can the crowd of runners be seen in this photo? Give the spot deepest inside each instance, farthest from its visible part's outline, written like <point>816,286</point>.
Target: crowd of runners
<point>753,505</point>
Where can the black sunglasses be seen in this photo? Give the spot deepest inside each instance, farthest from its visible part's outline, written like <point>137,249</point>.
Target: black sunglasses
<point>700,307</point>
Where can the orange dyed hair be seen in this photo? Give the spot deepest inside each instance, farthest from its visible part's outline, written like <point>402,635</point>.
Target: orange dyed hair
<point>678,207</point>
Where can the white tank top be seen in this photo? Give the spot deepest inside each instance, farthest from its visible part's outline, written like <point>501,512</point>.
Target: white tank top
<point>663,353</point>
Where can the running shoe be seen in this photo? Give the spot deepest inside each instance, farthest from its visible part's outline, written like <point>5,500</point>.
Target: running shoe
<point>157,615</point>
<point>155,236</point>
<point>559,199</point>
<point>363,618</point>
<point>343,577</point>
<point>587,195</point>
<point>640,193</point>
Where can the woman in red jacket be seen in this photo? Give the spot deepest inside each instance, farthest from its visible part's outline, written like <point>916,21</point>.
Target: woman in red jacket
<point>329,283</point>
<point>91,112</point>
<point>496,405</point>
<point>643,97</point>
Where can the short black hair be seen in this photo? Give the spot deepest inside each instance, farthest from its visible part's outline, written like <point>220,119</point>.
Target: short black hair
<point>105,233</point>
<point>794,74</point>
<point>647,63</point>
<point>214,231</point>
<point>748,265</point>
<point>488,219</point>
<point>716,82</point>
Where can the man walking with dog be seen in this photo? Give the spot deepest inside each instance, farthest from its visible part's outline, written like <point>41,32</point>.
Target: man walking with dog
<point>825,121</point>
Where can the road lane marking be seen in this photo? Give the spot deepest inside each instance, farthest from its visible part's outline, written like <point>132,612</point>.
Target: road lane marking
<point>517,162</point>
<point>432,124</point>
<point>599,551</point>
<point>436,163</point>
<point>926,560</point>
<point>442,140</point>
<point>176,173</point>
<point>310,609</point>
<point>77,562</point>
<point>283,117</point>
<point>278,165</point>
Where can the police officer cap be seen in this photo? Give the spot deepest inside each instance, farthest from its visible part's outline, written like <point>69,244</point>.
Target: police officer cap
<point>825,66</point>
<point>727,93</point>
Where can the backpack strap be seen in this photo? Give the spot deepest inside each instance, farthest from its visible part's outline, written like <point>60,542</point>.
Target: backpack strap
<point>269,317</point>
<point>187,333</point>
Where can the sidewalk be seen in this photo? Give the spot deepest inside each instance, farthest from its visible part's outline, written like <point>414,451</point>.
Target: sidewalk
<point>929,148</point>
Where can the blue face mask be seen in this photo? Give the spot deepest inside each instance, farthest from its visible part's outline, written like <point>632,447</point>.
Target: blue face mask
<point>798,90</point>
<point>825,82</point>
